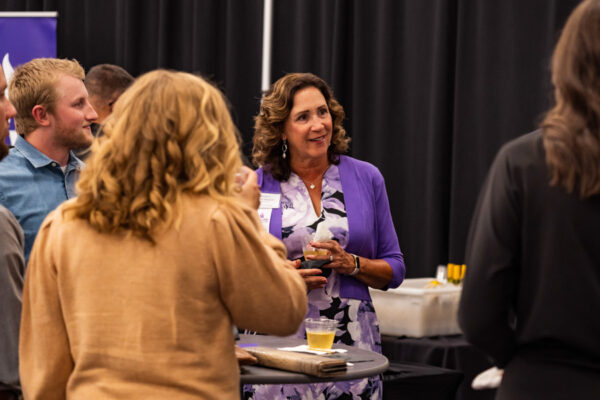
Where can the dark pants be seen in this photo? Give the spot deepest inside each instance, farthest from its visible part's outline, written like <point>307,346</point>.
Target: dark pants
<point>528,378</point>
<point>8,395</point>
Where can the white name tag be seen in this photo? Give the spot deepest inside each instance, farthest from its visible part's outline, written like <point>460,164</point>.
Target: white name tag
<point>265,217</point>
<point>269,200</point>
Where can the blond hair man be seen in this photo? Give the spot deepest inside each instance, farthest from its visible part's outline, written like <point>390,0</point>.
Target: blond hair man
<point>53,118</point>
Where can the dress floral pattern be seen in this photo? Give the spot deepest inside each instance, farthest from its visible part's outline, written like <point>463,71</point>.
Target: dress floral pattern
<point>358,324</point>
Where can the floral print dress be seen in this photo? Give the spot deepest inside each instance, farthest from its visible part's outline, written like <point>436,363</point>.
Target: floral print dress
<point>357,321</point>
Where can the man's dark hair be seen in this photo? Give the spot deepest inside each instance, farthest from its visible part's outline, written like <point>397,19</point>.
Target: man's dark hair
<point>103,80</point>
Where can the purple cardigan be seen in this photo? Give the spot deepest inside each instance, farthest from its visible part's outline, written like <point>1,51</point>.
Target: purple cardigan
<point>371,232</point>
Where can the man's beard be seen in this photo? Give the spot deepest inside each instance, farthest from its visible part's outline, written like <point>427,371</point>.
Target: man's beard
<point>73,139</point>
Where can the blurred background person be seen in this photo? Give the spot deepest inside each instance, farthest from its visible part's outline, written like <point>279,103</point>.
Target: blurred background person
<point>53,119</point>
<point>531,294</point>
<point>298,144</point>
<point>12,270</point>
<point>133,287</point>
<point>104,83</point>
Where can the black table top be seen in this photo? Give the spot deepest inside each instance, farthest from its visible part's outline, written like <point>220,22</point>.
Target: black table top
<point>364,363</point>
<point>451,352</point>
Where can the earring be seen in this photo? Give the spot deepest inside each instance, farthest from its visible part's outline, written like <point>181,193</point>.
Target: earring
<point>284,149</point>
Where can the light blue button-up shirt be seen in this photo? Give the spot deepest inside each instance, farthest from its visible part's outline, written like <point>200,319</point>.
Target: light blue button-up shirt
<point>32,185</point>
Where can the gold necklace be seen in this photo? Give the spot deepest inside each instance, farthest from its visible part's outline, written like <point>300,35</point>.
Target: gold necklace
<point>311,186</point>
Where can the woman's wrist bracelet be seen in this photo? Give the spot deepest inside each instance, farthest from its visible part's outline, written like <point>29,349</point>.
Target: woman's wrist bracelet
<point>356,265</point>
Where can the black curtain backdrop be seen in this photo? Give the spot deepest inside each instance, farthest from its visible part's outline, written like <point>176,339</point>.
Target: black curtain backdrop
<point>431,88</point>
<point>219,39</point>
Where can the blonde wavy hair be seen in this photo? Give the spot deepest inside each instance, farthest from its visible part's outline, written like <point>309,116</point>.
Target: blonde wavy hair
<point>169,134</point>
<point>571,129</point>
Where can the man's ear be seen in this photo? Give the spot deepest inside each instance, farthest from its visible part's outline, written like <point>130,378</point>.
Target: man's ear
<point>41,115</point>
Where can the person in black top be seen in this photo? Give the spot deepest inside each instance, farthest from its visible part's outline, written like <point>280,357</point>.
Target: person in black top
<point>531,295</point>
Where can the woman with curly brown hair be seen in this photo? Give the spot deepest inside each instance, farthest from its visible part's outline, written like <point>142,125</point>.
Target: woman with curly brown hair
<point>133,287</point>
<point>531,294</point>
<point>309,187</point>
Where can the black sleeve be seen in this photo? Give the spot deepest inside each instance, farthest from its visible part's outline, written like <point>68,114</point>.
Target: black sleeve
<point>492,258</point>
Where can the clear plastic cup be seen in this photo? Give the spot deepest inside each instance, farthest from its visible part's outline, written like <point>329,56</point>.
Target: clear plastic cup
<point>308,250</point>
<point>320,332</point>
<point>240,178</point>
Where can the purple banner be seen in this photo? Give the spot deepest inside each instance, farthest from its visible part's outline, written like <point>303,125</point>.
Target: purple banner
<point>23,38</point>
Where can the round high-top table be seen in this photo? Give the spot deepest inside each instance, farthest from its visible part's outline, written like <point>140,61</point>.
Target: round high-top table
<point>364,363</point>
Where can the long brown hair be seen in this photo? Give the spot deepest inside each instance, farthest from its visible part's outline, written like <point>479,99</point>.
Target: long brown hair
<point>170,134</point>
<point>571,129</point>
<point>274,111</point>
